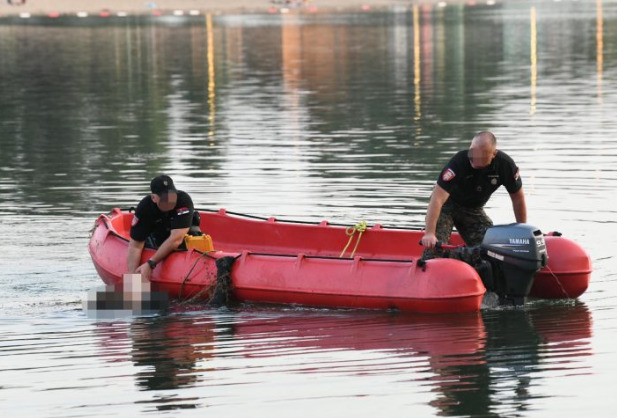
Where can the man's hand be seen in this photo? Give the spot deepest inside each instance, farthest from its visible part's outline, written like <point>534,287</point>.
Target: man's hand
<point>145,271</point>
<point>429,240</point>
<point>134,255</point>
<point>438,198</point>
<point>167,247</point>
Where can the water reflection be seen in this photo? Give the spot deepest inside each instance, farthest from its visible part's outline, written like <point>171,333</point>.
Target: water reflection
<point>340,116</point>
<point>534,59</point>
<point>477,364</point>
<point>211,78</point>
<point>599,46</point>
<point>417,100</point>
<point>165,350</point>
<point>369,104</point>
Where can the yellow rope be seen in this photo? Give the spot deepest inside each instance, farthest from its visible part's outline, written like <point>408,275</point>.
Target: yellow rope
<point>351,231</point>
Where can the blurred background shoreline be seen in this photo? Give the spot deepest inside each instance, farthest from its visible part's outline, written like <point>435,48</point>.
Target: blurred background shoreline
<point>141,7</point>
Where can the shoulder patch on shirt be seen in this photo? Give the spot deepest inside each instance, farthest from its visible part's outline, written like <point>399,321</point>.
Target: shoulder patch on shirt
<point>182,211</point>
<point>135,220</point>
<point>516,175</point>
<point>448,175</point>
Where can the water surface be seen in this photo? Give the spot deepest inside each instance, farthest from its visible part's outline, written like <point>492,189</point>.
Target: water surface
<point>345,117</point>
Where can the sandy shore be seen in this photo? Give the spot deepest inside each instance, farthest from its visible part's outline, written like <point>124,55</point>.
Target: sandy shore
<point>72,7</point>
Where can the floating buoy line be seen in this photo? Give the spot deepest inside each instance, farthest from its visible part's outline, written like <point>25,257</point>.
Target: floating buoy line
<point>105,14</point>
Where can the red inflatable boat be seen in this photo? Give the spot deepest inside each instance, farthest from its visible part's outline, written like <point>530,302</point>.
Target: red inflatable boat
<point>325,265</point>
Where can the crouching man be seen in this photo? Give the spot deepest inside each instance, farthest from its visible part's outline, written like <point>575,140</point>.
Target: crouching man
<point>161,221</point>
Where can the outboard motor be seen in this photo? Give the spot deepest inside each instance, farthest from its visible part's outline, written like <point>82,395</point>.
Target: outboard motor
<point>511,257</point>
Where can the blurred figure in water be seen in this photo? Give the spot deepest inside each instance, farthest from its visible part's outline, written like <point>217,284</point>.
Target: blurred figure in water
<point>131,297</point>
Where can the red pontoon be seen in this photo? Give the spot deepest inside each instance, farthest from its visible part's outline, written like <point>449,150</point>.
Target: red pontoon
<point>300,263</point>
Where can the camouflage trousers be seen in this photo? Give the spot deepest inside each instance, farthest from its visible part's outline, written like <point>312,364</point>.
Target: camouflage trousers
<point>471,224</point>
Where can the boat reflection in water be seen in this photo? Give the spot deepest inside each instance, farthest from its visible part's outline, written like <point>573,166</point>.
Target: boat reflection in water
<point>475,363</point>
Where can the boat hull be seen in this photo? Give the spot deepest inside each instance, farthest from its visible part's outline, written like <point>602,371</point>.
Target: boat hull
<point>289,263</point>
<point>316,279</point>
<point>567,273</point>
<point>444,286</point>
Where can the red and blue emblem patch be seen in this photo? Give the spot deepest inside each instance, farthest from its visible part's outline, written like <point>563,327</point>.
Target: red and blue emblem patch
<point>448,175</point>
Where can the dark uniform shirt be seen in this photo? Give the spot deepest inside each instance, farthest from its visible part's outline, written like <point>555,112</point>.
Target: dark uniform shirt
<point>149,219</point>
<point>471,187</point>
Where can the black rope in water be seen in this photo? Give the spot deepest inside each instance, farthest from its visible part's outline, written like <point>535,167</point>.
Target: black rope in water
<point>220,293</point>
<point>222,290</point>
<point>189,274</point>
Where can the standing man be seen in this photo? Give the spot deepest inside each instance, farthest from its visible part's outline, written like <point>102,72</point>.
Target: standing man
<point>463,188</point>
<point>161,221</point>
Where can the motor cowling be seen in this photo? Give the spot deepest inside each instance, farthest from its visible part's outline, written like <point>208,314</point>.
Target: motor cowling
<point>514,253</point>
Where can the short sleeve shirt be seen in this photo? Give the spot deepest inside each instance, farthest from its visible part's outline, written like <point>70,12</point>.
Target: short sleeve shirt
<point>149,219</point>
<point>471,187</point>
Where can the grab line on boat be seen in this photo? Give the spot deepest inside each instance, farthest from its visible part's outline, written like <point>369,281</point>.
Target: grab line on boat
<point>292,221</point>
<point>325,257</point>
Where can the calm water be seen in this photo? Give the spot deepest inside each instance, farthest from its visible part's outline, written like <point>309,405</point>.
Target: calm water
<point>345,117</point>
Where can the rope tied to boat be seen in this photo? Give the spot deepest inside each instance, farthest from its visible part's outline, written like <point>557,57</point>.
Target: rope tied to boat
<point>220,292</point>
<point>563,290</point>
<point>360,227</point>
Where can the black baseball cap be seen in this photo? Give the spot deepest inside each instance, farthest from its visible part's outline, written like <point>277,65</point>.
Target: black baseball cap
<point>162,184</point>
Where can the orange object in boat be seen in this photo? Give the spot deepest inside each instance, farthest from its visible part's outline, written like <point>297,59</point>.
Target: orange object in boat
<point>201,243</point>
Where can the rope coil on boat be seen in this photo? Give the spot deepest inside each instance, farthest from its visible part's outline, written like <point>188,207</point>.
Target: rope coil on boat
<point>350,232</point>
